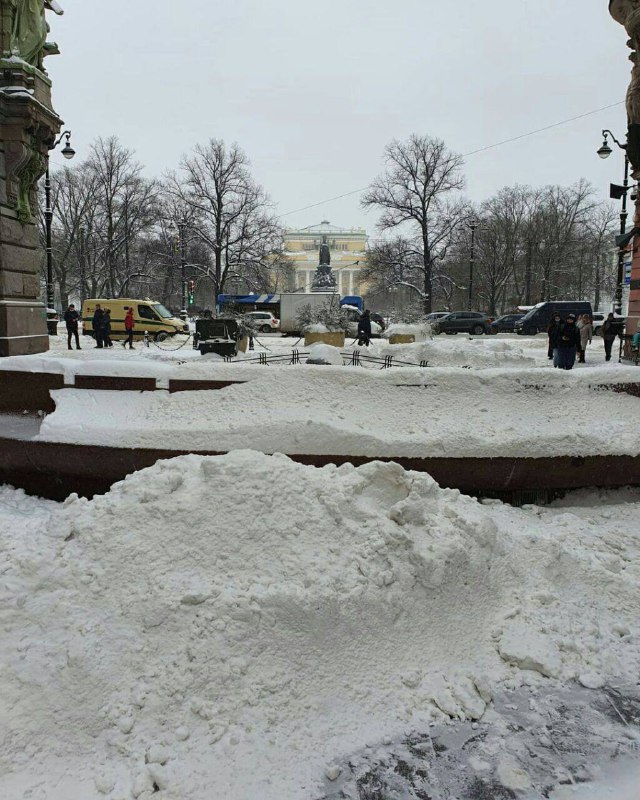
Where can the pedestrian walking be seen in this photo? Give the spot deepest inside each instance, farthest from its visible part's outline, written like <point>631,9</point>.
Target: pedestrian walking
<point>585,327</point>
<point>364,329</point>
<point>71,318</point>
<point>553,328</point>
<point>106,328</point>
<point>96,322</point>
<point>568,342</point>
<point>129,325</point>
<point>609,332</point>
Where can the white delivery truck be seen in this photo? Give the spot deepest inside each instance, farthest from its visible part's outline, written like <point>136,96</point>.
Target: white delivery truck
<point>292,302</point>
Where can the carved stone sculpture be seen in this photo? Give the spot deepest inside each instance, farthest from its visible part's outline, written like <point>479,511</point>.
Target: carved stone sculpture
<point>627,13</point>
<point>26,30</point>
<point>28,127</point>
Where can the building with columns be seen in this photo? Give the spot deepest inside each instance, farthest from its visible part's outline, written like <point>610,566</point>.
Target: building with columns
<point>348,253</point>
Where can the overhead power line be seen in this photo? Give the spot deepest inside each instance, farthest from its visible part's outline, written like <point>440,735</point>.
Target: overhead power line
<point>471,153</point>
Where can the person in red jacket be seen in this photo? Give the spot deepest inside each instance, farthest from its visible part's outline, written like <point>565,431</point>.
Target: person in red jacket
<point>129,325</point>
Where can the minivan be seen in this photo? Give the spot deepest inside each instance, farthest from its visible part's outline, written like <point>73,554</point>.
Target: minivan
<point>540,316</point>
<point>148,316</point>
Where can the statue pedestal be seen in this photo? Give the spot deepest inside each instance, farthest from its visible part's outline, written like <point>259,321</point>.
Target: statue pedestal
<point>324,280</point>
<point>28,126</point>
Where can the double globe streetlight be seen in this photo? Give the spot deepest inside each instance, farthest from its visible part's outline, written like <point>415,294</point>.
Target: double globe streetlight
<point>180,228</point>
<point>68,152</point>
<point>617,192</point>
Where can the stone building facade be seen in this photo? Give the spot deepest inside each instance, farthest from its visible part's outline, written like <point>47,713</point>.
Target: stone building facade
<point>348,255</point>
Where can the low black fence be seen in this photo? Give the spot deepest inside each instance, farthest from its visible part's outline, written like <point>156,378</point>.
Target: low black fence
<point>354,358</point>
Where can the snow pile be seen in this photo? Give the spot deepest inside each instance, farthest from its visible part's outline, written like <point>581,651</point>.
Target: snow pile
<point>320,353</point>
<point>229,627</point>
<point>477,352</point>
<point>336,410</point>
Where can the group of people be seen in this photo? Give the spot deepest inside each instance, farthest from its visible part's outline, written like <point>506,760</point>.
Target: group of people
<point>569,338</point>
<point>101,323</point>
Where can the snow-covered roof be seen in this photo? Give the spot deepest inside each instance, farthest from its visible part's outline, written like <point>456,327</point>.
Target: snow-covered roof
<point>325,227</point>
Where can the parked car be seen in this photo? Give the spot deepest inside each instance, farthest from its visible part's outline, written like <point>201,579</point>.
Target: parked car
<point>506,323</point>
<point>540,316</point>
<point>598,318</point>
<point>462,322</point>
<point>264,320</point>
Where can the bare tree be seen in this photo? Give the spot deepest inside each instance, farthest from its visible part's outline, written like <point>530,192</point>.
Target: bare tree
<point>600,230</point>
<point>126,206</point>
<point>500,240</point>
<point>420,188</point>
<point>74,206</point>
<point>101,208</point>
<point>228,211</point>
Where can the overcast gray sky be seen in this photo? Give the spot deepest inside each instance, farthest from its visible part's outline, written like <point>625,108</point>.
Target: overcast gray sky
<point>313,91</point>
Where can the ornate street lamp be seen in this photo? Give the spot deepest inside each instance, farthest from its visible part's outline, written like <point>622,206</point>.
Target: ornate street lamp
<point>68,152</point>
<point>181,227</point>
<point>617,192</point>
<point>473,226</point>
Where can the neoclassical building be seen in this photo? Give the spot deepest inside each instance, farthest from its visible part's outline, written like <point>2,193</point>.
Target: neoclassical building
<point>348,253</point>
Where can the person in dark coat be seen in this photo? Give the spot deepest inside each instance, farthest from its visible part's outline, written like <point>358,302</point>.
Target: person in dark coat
<point>71,318</point>
<point>98,314</point>
<point>106,328</point>
<point>364,329</point>
<point>553,329</point>
<point>568,342</point>
<point>610,330</point>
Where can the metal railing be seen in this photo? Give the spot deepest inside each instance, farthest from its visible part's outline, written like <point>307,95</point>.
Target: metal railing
<point>353,358</point>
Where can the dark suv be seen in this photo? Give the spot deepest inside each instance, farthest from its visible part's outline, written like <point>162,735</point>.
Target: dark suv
<point>462,322</point>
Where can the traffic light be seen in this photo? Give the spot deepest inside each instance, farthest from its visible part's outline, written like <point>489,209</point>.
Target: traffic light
<point>192,289</point>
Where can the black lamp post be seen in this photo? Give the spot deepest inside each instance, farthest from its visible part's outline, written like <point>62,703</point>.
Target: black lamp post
<point>67,152</point>
<point>181,226</point>
<point>617,192</point>
<point>472,225</point>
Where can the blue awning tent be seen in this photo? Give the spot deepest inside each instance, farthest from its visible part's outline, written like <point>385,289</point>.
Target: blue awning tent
<point>249,299</point>
<point>274,299</point>
<point>352,300</point>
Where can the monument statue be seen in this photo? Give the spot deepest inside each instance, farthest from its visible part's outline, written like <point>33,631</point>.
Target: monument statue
<point>627,13</point>
<point>28,128</point>
<point>324,280</point>
<point>325,253</point>
<point>29,29</point>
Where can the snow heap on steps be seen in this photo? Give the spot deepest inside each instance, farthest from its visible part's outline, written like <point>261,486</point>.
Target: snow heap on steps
<point>230,627</point>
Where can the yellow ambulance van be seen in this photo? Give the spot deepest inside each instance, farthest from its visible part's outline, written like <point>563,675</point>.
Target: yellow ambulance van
<point>149,316</point>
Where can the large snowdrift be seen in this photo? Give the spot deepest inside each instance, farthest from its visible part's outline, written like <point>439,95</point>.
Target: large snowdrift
<point>230,627</point>
<point>336,411</point>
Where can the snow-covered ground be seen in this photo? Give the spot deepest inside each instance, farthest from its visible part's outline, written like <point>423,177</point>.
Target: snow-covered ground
<point>480,396</point>
<point>245,627</point>
<point>177,358</point>
<point>335,411</point>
